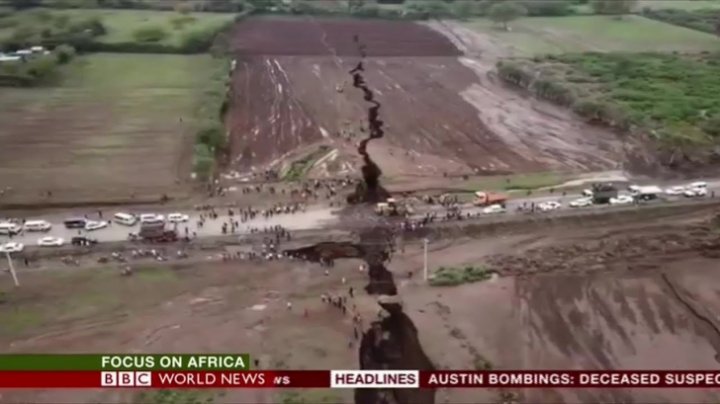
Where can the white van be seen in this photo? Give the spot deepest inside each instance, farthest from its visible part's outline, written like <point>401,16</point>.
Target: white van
<point>7,228</point>
<point>699,184</point>
<point>37,225</point>
<point>125,219</point>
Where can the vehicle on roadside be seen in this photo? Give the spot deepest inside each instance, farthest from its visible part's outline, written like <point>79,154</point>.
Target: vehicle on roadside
<point>489,198</point>
<point>95,225</point>
<point>698,184</point>
<point>622,200</point>
<point>603,193</point>
<point>50,242</point>
<point>587,192</point>
<point>647,193</point>
<point>151,218</point>
<point>11,247</point>
<point>549,205</point>
<point>178,218</point>
<point>676,190</point>
<point>125,219</point>
<point>75,223</point>
<point>7,228</point>
<point>581,202</point>
<point>37,225</point>
<point>493,209</point>
<point>695,192</point>
<point>83,241</point>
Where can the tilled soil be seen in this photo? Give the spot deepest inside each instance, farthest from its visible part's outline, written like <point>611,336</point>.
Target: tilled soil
<point>291,89</point>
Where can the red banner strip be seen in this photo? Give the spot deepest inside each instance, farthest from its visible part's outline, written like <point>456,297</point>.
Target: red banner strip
<point>360,379</point>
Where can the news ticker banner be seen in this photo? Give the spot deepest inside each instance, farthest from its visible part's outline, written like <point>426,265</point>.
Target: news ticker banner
<point>151,376</point>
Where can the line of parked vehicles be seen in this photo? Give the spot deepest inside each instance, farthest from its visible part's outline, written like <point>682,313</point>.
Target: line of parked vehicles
<point>151,226</point>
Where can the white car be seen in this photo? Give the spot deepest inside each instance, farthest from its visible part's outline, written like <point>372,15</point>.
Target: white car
<point>178,218</point>
<point>677,190</point>
<point>11,247</point>
<point>493,209</point>
<point>587,192</point>
<point>550,205</point>
<point>37,225</point>
<point>151,218</point>
<point>622,200</point>
<point>581,202</point>
<point>91,225</point>
<point>51,242</point>
<point>692,192</point>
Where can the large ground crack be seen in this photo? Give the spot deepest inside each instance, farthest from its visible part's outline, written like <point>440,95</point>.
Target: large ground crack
<point>390,342</point>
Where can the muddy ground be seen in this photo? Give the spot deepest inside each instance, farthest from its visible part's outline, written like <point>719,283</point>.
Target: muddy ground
<point>640,294</point>
<point>443,114</point>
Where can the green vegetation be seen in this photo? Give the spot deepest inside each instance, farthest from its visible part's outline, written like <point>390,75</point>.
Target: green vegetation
<point>676,98</point>
<point>453,276</point>
<point>506,12</point>
<point>210,139</point>
<point>706,20</point>
<point>299,168</point>
<point>35,69</point>
<point>678,4</point>
<point>175,397</point>
<point>114,30</point>
<point>613,7</point>
<point>311,396</point>
<point>542,35</point>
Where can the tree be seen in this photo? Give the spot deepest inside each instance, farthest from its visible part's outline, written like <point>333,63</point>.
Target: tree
<point>613,7</point>
<point>19,4</point>
<point>354,5</point>
<point>506,12</point>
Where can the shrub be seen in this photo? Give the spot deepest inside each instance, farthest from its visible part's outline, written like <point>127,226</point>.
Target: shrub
<point>181,21</point>
<point>514,74</point>
<point>197,41</point>
<point>711,126</point>
<point>212,137</point>
<point>150,34</point>
<point>428,8</point>
<point>64,53</point>
<point>367,10</point>
<point>203,161</point>
<point>547,8</point>
<point>452,276</point>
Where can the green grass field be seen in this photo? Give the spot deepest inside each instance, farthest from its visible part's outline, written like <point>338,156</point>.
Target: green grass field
<point>679,4</point>
<point>541,35</point>
<point>121,24</point>
<point>110,129</point>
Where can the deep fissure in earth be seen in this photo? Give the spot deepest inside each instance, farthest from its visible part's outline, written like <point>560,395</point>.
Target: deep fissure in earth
<point>390,342</point>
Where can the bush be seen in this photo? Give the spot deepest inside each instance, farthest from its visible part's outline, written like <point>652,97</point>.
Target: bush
<point>181,21</point>
<point>203,162</point>
<point>367,11</point>
<point>428,8</point>
<point>213,137</point>
<point>197,41</point>
<point>64,53</point>
<point>451,276</point>
<point>514,74</point>
<point>547,8</point>
<point>150,34</point>
<point>711,126</point>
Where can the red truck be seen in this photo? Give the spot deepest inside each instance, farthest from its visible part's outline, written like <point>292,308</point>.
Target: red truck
<point>489,198</point>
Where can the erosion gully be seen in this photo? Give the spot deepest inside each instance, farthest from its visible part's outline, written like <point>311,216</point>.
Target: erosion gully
<point>390,342</point>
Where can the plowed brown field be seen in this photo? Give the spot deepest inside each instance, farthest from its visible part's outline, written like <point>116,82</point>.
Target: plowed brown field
<point>291,89</point>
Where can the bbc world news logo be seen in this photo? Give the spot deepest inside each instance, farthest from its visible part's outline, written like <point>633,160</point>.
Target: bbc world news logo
<point>126,379</point>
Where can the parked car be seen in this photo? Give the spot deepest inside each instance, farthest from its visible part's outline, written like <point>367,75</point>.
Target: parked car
<point>125,219</point>
<point>587,192</point>
<point>581,202</point>
<point>8,228</point>
<point>178,218</point>
<point>51,242</point>
<point>698,184</point>
<point>75,223</point>
<point>549,205</point>
<point>11,247</point>
<point>493,209</point>
<point>151,218</point>
<point>622,200</point>
<point>37,225</point>
<point>83,241</point>
<point>95,225</point>
<point>676,190</point>
<point>693,192</point>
